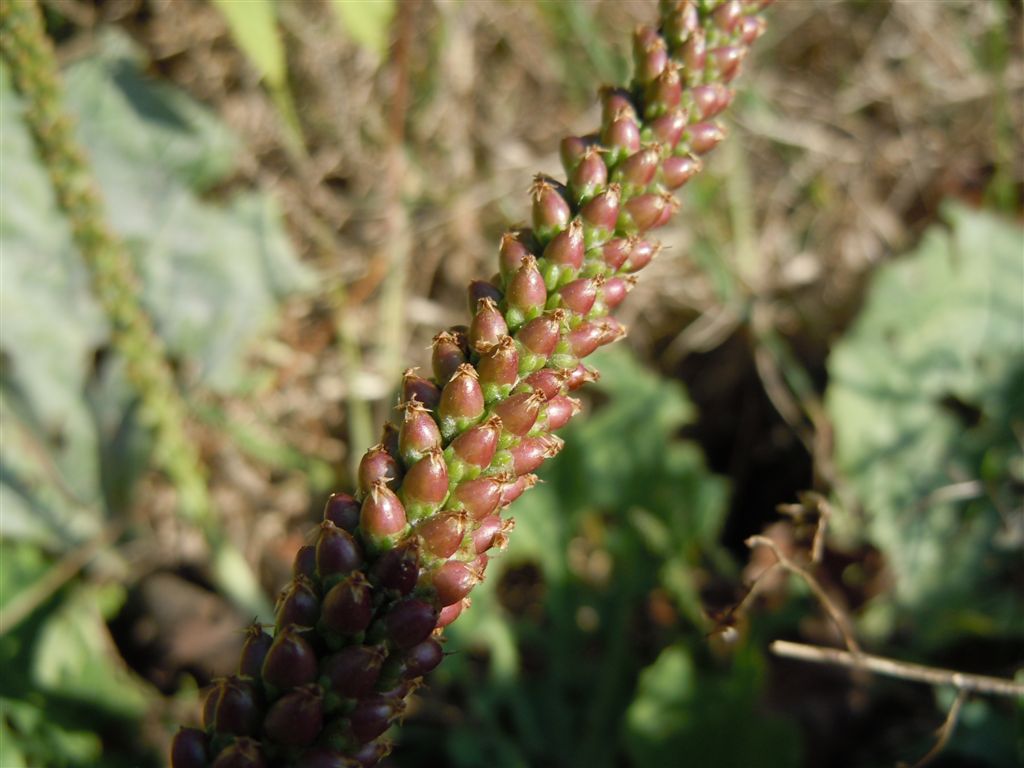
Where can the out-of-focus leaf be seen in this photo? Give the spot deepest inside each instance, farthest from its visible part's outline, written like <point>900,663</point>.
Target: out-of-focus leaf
<point>927,397</point>
<point>253,24</point>
<point>366,21</point>
<point>683,714</point>
<point>29,739</point>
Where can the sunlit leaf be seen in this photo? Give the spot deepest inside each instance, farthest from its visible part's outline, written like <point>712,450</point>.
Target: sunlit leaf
<point>367,22</point>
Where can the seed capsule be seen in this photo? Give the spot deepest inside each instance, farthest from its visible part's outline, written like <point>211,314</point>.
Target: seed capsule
<point>442,535</point>
<point>637,170</point>
<point>650,54</point>
<point>370,754</point>
<point>681,23</point>
<point>537,340</point>
<point>602,213</point>
<point>398,569</point>
<point>426,485</point>
<point>614,102</point>
<point>677,170</point>
<point>663,94</point>
<point>709,99</point>
<point>377,464</point>
<point>449,351</point>
<point>383,515</point>
<point>410,622</point>
<point>703,137</point>
<point>348,606</point>
<point>498,369</point>
<point>727,60</point>
<point>531,452</point>
<point>298,604</point>
<point>321,757</point>
<point>513,490</point>
<point>621,136</point>
<point>190,747</point>
<point>304,563</point>
<point>549,382</point>
<point>566,249</point>
<point>451,612</point>
<point>462,403</point>
<point>491,532</point>
<point>478,498</point>
<point>751,28</point>
<point>519,412</point>
<point>290,662</point>
<point>372,717</point>
<point>646,210</point>
<point>353,671</point>
<point>422,658</point>
<point>418,433</point>
<point>232,708</point>
<point>559,410</point>
<point>452,581</point>
<point>728,15</point>
<point>526,294</point>
<point>337,550</point>
<point>488,324</point>
<point>571,150</point>
<point>615,252</point>
<point>589,176</point>
<point>584,339</point>
<point>474,449</point>
<point>241,753</point>
<point>694,54</point>
<point>612,292</point>
<point>641,256</point>
<point>417,388</point>
<point>254,650</point>
<point>296,718</point>
<point>515,246</point>
<point>343,510</point>
<point>579,295</point>
<point>579,376</point>
<point>481,289</point>
<point>551,212</point>
<point>668,128</point>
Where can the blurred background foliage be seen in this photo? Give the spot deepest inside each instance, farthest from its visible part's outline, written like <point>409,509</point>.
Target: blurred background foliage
<point>305,189</point>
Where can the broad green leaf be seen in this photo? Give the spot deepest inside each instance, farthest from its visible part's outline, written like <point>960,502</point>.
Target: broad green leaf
<point>366,21</point>
<point>253,24</point>
<point>927,398</point>
<point>30,739</point>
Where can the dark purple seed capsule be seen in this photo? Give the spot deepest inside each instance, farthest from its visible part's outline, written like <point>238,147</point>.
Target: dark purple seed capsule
<point>398,569</point>
<point>254,650</point>
<point>348,606</point>
<point>559,410</point>
<point>298,603</point>
<point>418,433</point>
<point>353,671</point>
<point>676,171</point>
<point>418,388</point>
<point>477,445</point>
<point>621,136</point>
<point>342,509</point>
<point>603,211</point>
<point>512,251</point>
<point>422,658</point>
<point>668,128</point>
<point>498,369</point>
<point>236,709</point>
<point>462,403</point>
<point>694,54</point>
<point>337,550</point>
<point>488,324</point>
<point>481,289</point>
<point>242,753</point>
<point>371,754</point>
<point>526,293</point>
<point>551,212</point>
<point>519,412</point>
<point>650,54</point>
<point>452,581</point>
<point>479,497</point>
<point>442,534</point>
<point>372,717</point>
<point>389,439</point>
<point>540,335</point>
<point>448,353</point>
<point>566,249</point>
<point>410,622</point>
<point>190,745</point>
<point>305,562</point>
<point>451,612</point>
<point>589,176</point>
<point>727,60</point>
<point>426,485</point>
<point>291,660</point>
<point>579,295</point>
<point>615,252</point>
<point>296,719</point>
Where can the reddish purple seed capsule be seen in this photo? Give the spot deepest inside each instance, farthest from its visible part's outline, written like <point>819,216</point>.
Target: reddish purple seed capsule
<point>426,482</point>
<point>422,658</point>
<point>519,412</point>
<point>452,581</point>
<point>254,651</point>
<point>353,671</point>
<point>566,249</point>
<point>442,534</point>
<point>602,212</point>
<point>676,171</point>
<point>372,717</point>
<point>477,445</point>
<point>398,569</point>
<point>488,324</point>
<point>449,351</point>
<point>298,604</point>
<point>479,497</point>
<point>189,748</point>
<point>418,388</point>
<point>291,660</point>
<point>668,128</point>
<point>579,295</point>
<point>348,606</point>
<point>551,212</point>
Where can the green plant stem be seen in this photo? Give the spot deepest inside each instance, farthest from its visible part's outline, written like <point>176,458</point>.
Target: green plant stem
<point>30,55</point>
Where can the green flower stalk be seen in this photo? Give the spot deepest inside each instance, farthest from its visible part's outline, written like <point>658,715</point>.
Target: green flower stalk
<point>394,563</point>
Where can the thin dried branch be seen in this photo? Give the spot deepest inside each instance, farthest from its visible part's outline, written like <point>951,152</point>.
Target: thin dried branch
<point>945,732</point>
